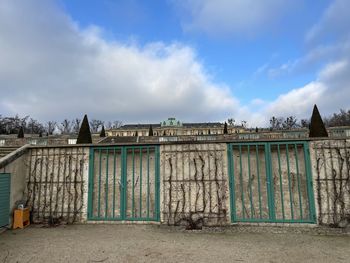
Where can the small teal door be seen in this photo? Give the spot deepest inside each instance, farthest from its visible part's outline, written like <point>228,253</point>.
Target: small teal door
<point>5,182</point>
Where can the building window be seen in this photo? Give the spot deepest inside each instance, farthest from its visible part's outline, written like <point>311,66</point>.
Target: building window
<point>72,141</point>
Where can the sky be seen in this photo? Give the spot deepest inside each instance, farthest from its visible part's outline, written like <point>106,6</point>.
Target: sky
<point>142,61</point>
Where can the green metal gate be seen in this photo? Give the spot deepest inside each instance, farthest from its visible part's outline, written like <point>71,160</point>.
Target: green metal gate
<point>271,182</point>
<point>5,188</point>
<point>124,183</point>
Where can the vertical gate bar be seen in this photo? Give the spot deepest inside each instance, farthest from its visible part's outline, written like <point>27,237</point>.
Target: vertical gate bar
<point>140,182</point>
<point>271,182</point>
<point>124,182</point>
<point>231,182</point>
<point>114,170</point>
<point>298,180</point>
<point>133,183</point>
<point>241,178</point>
<point>64,180</point>
<point>289,184</point>
<point>91,183</point>
<point>250,183</point>
<point>258,172</point>
<point>310,189</point>
<point>157,185</point>
<point>280,174</point>
<point>99,185</point>
<point>106,185</point>
<point>268,190</point>
<point>147,182</point>
<point>58,180</point>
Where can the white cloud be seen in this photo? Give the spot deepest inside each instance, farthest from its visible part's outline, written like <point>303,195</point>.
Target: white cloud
<point>247,17</point>
<point>51,68</point>
<point>330,91</point>
<point>333,23</point>
<point>329,44</point>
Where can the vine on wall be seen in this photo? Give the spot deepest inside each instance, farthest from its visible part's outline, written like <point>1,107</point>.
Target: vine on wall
<point>198,198</point>
<point>55,185</point>
<point>333,182</point>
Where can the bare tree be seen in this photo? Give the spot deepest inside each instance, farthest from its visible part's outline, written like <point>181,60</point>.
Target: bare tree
<point>12,125</point>
<point>276,123</point>
<point>244,124</point>
<point>76,125</point>
<point>117,124</point>
<point>50,127</point>
<point>34,127</point>
<point>338,119</point>
<point>65,127</point>
<point>95,125</point>
<point>304,123</point>
<point>290,123</point>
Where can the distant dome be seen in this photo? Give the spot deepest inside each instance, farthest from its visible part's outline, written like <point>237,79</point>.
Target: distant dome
<point>172,122</point>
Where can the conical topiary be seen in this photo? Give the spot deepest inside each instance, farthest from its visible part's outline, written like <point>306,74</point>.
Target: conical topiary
<point>20,133</point>
<point>84,132</point>
<point>317,128</point>
<point>225,128</point>
<point>150,131</point>
<point>103,132</point>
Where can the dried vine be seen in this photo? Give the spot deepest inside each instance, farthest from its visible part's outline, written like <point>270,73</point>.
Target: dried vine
<point>208,198</point>
<point>334,188</point>
<point>52,190</point>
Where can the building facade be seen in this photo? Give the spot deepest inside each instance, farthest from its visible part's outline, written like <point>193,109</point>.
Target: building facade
<point>174,127</point>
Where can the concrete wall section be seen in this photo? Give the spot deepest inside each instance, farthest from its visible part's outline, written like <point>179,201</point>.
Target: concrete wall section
<point>194,185</point>
<point>331,173</point>
<point>57,184</point>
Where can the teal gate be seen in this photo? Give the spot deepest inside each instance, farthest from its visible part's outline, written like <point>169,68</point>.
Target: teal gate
<point>5,187</point>
<point>271,182</point>
<point>124,183</point>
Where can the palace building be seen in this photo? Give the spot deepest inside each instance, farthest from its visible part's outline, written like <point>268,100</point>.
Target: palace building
<point>174,127</point>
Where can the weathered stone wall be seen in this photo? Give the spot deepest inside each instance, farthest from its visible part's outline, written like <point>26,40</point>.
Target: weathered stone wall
<point>57,183</point>
<point>331,172</point>
<point>194,185</point>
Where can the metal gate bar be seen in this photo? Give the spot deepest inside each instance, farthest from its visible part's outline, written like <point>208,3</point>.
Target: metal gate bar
<point>124,174</point>
<point>287,195</point>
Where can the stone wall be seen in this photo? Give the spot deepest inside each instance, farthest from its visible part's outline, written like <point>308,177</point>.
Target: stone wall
<point>194,185</point>
<point>331,173</point>
<point>57,180</point>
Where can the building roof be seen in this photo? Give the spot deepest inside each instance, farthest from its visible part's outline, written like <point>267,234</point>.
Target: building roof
<point>185,125</point>
<point>203,124</point>
<point>137,126</point>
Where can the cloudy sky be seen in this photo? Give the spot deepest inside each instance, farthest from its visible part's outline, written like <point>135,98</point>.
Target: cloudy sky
<point>197,60</point>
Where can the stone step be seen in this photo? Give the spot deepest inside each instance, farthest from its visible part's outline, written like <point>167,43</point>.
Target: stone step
<point>6,150</point>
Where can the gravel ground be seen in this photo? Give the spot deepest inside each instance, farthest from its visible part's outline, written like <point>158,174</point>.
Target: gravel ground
<point>152,243</point>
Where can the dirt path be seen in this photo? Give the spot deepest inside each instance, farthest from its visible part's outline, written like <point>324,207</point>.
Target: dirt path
<point>139,243</point>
